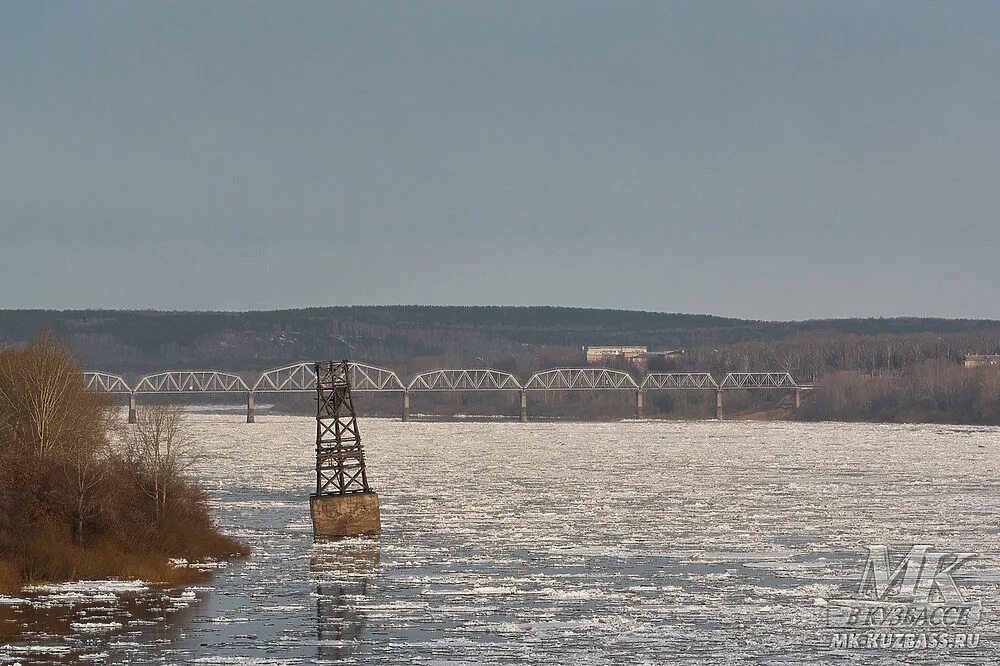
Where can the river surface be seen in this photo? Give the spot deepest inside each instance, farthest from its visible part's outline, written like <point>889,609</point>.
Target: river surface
<point>550,543</point>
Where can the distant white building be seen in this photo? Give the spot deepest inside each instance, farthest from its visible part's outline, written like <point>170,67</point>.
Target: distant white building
<point>631,353</point>
<point>981,360</point>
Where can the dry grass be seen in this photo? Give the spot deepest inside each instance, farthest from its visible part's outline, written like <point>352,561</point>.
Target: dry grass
<point>51,558</point>
<point>10,577</point>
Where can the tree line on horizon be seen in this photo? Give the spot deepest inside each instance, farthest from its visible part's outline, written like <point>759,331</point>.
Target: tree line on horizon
<point>402,336</point>
<point>863,369</point>
<point>885,377</point>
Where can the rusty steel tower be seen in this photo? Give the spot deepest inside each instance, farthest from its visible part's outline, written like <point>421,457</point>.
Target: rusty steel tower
<point>340,459</point>
<point>343,504</point>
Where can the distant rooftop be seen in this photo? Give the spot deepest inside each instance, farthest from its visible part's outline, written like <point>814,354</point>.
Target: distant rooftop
<point>980,360</point>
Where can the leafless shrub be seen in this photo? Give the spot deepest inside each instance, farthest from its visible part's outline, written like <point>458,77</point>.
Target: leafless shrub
<point>71,503</point>
<point>158,453</point>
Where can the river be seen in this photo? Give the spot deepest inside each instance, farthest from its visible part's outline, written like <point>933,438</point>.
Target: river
<point>550,543</point>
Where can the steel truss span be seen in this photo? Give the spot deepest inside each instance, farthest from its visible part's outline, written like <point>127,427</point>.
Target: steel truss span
<point>759,380</point>
<point>301,377</point>
<point>580,379</point>
<point>678,380</point>
<point>104,382</point>
<point>192,381</point>
<point>478,379</point>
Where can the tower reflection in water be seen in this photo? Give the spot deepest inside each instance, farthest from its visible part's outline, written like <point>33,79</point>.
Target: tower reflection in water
<point>345,572</point>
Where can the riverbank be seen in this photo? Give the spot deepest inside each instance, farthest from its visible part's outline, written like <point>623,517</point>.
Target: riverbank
<point>85,496</point>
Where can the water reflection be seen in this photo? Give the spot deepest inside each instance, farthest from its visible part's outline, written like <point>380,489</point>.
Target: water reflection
<point>345,572</point>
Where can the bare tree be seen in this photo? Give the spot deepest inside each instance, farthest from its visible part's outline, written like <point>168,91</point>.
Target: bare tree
<point>158,452</point>
<point>48,419</point>
<point>41,392</point>
<point>84,466</point>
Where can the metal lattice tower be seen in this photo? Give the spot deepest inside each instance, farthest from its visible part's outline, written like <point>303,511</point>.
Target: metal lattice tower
<point>340,460</point>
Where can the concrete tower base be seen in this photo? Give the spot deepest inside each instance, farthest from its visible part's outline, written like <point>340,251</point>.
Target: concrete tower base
<point>353,514</point>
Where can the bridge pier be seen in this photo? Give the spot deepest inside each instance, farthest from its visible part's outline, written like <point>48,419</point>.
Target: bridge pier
<point>718,404</point>
<point>131,408</point>
<point>524,406</point>
<point>638,404</point>
<point>798,399</point>
<point>250,407</point>
<point>406,405</point>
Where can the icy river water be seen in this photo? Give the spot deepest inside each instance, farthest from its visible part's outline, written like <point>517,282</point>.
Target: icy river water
<point>551,543</point>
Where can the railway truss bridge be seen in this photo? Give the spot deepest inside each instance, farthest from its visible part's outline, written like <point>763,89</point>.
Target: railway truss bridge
<point>301,378</point>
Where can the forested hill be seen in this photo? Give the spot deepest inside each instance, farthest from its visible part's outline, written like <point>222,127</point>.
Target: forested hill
<point>402,335</point>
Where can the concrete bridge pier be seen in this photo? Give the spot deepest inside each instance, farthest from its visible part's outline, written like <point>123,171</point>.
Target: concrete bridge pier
<point>406,405</point>
<point>524,406</point>
<point>798,399</point>
<point>250,407</point>
<point>131,408</point>
<point>718,404</point>
<point>638,404</point>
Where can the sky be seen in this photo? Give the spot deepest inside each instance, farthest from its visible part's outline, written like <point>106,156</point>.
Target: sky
<point>770,160</point>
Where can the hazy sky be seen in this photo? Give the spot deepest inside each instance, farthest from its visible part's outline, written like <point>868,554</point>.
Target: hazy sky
<point>761,159</point>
